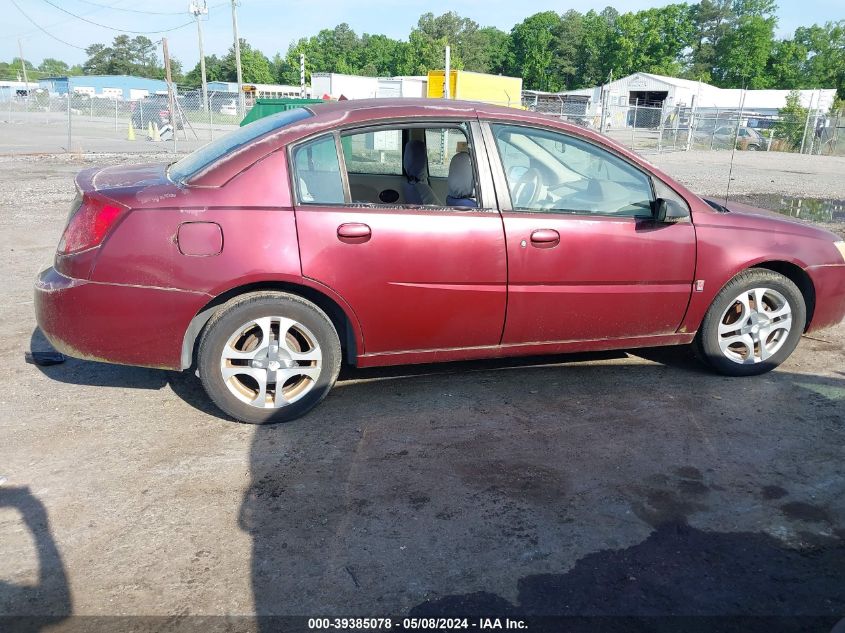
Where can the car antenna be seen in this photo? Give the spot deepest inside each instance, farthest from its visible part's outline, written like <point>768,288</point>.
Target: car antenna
<point>733,149</point>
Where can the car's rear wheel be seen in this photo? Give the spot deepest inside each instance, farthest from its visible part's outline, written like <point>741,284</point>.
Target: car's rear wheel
<point>268,357</point>
<point>753,324</point>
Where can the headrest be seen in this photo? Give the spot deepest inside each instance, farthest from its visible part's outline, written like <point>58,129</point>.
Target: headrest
<point>414,160</point>
<point>460,176</point>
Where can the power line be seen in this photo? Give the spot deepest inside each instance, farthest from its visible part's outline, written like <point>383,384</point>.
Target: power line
<point>106,26</point>
<point>40,28</point>
<point>105,6</point>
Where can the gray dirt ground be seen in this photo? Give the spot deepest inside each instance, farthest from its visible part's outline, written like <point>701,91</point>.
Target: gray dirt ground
<point>604,484</point>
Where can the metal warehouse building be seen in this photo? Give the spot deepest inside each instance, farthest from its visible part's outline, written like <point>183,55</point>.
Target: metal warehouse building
<point>659,91</point>
<point>124,87</point>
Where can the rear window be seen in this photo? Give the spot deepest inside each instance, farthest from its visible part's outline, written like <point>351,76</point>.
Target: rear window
<point>207,154</point>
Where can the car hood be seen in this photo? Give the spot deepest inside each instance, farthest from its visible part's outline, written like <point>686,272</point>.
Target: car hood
<point>748,217</point>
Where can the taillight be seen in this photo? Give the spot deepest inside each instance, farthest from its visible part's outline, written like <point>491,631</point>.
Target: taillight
<point>88,226</point>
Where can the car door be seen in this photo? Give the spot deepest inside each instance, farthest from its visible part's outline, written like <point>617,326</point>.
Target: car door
<point>417,277</point>
<point>586,260</point>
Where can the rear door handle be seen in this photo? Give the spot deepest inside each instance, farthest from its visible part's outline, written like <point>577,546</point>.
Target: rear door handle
<point>354,231</point>
<point>545,238</point>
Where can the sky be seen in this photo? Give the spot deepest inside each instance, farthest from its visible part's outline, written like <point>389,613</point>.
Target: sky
<point>271,25</point>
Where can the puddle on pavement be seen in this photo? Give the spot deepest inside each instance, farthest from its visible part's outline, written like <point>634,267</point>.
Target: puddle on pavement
<point>811,209</point>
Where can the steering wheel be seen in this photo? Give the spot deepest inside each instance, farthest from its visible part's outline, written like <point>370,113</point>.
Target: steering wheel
<point>527,189</point>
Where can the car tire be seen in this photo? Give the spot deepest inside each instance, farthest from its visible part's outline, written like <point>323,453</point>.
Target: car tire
<point>242,347</point>
<point>753,148</point>
<point>738,339</point>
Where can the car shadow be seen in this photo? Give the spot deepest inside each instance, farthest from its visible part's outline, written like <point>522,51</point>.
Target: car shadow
<point>612,492</point>
<point>27,608</point>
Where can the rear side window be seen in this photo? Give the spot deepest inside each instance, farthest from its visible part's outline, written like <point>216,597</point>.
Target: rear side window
<point>441,146</point>
<point>317,172</point>
<point>208,154</point>
<point>375,152</point>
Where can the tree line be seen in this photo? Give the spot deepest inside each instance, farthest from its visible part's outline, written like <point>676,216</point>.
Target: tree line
<point>729,43</point>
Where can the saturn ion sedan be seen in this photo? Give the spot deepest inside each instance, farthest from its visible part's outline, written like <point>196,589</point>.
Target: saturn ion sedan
<point>394,231</point>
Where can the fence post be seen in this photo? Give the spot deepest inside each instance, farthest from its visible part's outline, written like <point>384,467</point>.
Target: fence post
<point>806,124</point>
<point>634,125</point>
<point>211,121</point>
<point>68,121</point>
<point>115,114</point>
<point>713,131</point>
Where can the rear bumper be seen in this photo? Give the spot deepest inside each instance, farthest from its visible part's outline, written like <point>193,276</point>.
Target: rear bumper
<point>829,284</point>
<point>113,323</point>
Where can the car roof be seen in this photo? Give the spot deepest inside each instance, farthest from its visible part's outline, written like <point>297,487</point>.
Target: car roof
<point>410,106</point>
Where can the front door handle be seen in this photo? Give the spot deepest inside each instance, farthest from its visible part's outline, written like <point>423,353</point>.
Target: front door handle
<point>545,238</point>
<point>354,232</point>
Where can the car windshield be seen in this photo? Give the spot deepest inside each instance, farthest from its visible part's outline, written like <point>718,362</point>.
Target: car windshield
<point>207,154</point>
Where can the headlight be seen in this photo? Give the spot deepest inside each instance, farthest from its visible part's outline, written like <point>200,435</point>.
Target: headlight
<point>840,246</point>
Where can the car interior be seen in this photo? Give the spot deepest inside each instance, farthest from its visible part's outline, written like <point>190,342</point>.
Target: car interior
<point>554,172</point>
<point>433,166</point>
<point>415,166</point>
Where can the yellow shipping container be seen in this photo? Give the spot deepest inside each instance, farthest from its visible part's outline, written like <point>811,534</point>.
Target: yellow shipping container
<point>496,89</point>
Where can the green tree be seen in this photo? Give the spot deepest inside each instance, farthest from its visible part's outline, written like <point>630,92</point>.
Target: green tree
<point>793,119</point>
<point>213,72</point>
<point>488,51</point>
<point>380,56</point>
<point>653,40</point>
<point>597,32</point>
<point>255,66</point>
<point>128,56</point>
<point>532,53</point>
<point>711,21</point>
<point>51,66</point>
<point>824,66</point>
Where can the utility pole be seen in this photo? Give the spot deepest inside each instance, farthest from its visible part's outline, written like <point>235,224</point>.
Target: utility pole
<point>447,73</point>
<point>241,101</point>
<point>170,96</point>
<point>200,8</point>
<point>23,66</point>
<point>302,93</point>
<point>605,102</point>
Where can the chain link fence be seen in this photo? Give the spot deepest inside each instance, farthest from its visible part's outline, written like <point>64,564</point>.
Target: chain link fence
<point>656,128</point>
<point>83,123</point>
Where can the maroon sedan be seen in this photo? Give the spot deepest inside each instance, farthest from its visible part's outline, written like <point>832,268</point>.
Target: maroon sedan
<point>390,231</point>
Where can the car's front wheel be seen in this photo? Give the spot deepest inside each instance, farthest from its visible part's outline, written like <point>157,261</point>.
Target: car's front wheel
<point>268,357</point>
<point>753,324</point>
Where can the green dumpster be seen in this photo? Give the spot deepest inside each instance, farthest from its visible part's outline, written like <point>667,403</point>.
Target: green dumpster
<point>265,107</point>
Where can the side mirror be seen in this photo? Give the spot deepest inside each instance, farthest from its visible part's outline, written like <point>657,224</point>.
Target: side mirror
<point>668,211</point>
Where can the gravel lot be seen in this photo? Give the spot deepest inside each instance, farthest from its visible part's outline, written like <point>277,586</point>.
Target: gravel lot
<point>608,484</point>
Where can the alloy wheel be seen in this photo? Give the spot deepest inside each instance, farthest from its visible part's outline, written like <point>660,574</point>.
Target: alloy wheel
<point>754,326</point>
<point>271,362</point>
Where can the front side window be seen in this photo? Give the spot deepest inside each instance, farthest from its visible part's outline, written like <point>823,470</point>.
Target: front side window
<point>317,172</point>
<point>556,173</point>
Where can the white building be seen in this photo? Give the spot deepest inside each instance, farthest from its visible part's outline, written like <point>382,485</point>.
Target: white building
<point>337,85</point>
<point>658,91</point>
<point>259,91</point>
<point>11,89</point>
